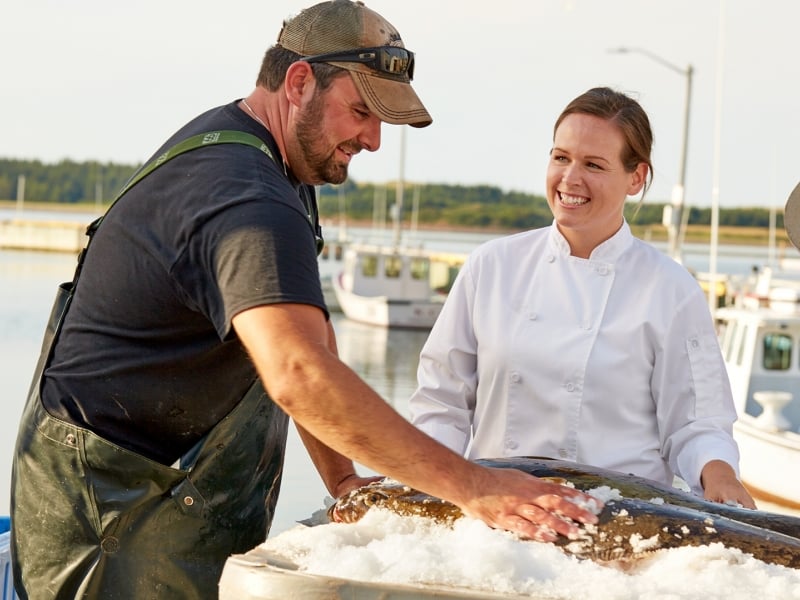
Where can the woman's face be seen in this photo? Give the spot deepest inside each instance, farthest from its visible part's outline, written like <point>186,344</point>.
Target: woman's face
<point>587,184</point>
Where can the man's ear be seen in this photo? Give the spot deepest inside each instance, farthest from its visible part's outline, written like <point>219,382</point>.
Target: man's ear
<point>299,82</point>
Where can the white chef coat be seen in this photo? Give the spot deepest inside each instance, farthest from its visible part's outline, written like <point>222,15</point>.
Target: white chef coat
<point>611,361</point>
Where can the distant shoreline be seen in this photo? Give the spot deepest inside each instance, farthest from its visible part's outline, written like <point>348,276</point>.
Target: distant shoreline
<point>696,234</point>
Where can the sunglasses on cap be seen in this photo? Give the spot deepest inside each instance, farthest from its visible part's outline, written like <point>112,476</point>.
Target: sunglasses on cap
<point>390,60</point>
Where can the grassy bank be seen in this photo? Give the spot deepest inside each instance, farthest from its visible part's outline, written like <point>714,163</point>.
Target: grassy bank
<point>701,234</point>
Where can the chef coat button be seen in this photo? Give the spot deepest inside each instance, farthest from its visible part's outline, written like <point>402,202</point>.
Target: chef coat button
<point>562,453</point>
<point>512,445</point>
<point>695,343</point>
<point>603,270</point>
<point>515,377</point>
<point>532,316</point>
<point>551,258</point>
<point>570,387</point>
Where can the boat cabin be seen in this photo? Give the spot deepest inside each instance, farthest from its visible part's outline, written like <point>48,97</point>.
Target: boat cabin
<point>761,348</point>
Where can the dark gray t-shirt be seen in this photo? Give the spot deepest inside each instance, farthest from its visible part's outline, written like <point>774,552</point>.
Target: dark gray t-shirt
<point>147,357</point>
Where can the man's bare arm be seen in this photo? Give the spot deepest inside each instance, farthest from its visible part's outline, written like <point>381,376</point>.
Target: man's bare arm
<point>290,346</point>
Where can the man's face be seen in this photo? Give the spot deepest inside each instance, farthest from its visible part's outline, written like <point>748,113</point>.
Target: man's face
<point>331,128</point>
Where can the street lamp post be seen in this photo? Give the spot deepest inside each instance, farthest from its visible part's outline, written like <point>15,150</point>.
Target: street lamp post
<point>674,212</point>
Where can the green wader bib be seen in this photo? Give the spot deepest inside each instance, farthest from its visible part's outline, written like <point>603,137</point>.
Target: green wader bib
<point>93,520</point>
<point>90,519</point>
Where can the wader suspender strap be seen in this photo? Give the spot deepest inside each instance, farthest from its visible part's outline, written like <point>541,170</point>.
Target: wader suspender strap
<point>200,140</point>
<point>157,531</point>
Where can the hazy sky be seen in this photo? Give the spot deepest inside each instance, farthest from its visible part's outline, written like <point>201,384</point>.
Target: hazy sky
<point>110,81</point>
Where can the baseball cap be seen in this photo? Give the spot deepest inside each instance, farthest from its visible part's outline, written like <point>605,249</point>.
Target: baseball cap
<point>348,35</point>
<point>791,216</point>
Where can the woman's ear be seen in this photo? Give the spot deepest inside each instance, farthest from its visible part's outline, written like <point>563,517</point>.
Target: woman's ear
<point>638,179</point>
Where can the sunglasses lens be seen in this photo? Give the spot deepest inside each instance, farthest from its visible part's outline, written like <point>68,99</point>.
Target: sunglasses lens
<point>386,59</point>
<point>397,61</point>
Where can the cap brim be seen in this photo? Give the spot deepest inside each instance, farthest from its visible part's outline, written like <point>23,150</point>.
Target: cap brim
<point>791,216</point>
<point>393,101</point>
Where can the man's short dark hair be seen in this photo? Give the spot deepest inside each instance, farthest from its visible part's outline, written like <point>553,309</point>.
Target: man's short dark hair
<point>277,61</point>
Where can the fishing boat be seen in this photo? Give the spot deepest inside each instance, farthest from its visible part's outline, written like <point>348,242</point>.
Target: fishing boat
<point>761,347</point>
<point>394,286</point>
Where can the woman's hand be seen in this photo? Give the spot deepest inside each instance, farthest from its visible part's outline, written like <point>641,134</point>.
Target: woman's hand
<point>721,485</point>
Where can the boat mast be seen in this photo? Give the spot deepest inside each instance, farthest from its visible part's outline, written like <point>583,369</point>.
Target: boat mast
<point>714,242</point>
<point>398,208</point>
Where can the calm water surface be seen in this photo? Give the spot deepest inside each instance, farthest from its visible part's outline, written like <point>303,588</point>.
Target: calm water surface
<point>387,360</point>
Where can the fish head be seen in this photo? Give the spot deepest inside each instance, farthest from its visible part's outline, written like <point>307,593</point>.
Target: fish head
<point>354,505</point>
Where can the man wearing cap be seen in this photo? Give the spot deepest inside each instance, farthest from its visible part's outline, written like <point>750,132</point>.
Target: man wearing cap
<point>152,443</point>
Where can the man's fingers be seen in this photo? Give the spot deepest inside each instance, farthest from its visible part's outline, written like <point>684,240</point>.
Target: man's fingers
<point>575,505</point>
<point>529,529</point>
<point>548,521</point>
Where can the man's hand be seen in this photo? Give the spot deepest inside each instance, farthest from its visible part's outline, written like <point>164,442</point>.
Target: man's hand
<point>532,507</point>
<point>352,482</point>
<point>721,485</point>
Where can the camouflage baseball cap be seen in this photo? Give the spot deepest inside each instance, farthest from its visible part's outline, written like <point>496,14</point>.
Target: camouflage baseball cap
<point>348,35</point>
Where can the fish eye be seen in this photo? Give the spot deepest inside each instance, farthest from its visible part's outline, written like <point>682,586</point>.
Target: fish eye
<point>374,498</point>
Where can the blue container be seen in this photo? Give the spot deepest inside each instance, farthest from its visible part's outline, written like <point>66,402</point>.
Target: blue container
<point>5,560</point>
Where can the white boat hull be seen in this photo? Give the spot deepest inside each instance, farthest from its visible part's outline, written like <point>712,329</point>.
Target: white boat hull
<point>387,312</point>
<point>768,462</point>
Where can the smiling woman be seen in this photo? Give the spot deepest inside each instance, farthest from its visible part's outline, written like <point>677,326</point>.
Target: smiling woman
<point>585,299</point>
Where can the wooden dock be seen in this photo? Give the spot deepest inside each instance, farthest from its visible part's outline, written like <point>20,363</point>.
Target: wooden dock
<point>53,236</point>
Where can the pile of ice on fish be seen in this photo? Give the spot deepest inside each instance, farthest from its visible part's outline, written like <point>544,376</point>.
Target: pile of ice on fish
<point>387,541</point>
<point>384,547</point>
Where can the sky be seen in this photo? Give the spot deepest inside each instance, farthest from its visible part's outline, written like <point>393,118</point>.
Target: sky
<point>110,81</point>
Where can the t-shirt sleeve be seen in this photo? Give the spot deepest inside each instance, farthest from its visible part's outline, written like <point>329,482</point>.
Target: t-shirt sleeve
<point>255,253</point>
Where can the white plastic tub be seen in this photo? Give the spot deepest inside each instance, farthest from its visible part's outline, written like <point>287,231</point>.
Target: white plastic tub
<point>259,575</point>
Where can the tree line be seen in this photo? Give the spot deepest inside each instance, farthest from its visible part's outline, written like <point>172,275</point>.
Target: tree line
<point>435,204</point>
<point>485,206</point>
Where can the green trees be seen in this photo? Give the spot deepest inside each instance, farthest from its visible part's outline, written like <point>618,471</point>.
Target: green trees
<point>64,182</point>
<point>490,207</point>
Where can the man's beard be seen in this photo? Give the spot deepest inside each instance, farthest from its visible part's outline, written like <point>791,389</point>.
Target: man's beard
<point>320,162</point>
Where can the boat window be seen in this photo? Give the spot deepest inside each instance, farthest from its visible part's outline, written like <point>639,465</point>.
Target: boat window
<point>393,266</point>
<point>369,265</point>
<point>777,351</point>
<point>419,268</point>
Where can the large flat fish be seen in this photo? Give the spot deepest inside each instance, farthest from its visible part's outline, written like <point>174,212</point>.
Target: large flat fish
<point>645,516</point>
